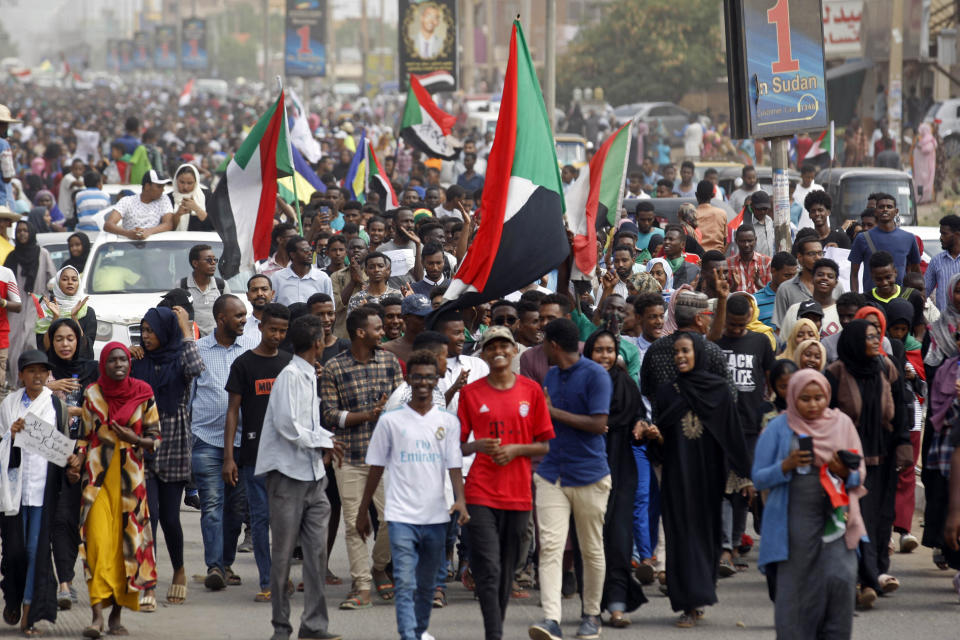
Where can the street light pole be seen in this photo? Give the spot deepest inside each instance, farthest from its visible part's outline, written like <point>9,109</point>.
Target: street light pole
<point>780,157</point>
<point>895,79</point>
<point>550,66</point>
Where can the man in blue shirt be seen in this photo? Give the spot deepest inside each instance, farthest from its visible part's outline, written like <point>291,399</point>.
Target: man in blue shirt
<point>7,169</point>
<point>945,264</point>
<point>129,139</point>
<point>573,478</point>
<point>883,237</point>
<point>783,267</point>
<point>221,511</point>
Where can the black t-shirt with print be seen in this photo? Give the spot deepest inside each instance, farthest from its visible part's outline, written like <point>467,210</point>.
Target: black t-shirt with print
<point>251,377</point>
<point>749,358</point>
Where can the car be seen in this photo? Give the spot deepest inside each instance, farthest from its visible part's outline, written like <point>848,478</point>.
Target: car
<point>673,117</point>
<point>56,244</point>
<point>571,149</point>
<point>700,168</point>
<point>947,115</point>
<point>929,243</point>
<point>850,186</point>
<point>124,278</point>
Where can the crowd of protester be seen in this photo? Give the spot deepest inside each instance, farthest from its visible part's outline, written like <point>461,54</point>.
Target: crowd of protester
<point>644,427</point>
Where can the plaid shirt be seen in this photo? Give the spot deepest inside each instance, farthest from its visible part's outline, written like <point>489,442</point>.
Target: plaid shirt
<point>350,386</point>
<point>745,272</point>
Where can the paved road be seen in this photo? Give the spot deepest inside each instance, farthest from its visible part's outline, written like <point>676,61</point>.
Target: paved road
<point>925,604</point>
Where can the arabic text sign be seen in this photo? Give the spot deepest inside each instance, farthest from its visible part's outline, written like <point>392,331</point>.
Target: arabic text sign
<point>43,439</point>
<point>841,28</point>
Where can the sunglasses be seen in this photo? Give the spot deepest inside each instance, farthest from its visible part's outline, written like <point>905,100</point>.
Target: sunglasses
<point>502,320</point>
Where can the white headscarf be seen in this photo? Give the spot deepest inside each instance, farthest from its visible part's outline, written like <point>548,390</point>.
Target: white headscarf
<point>67,303</point>
<point>668,286</point>
<point>196,194</point>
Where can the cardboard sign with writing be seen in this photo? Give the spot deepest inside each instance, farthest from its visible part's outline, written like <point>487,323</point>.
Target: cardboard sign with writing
<point>43,439</point>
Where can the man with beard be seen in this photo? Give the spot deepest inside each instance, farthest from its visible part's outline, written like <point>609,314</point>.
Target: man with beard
<point>413,310</point>
<point>259,295</point>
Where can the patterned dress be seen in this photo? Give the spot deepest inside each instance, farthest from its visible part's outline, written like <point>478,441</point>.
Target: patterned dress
<point>116,540</point>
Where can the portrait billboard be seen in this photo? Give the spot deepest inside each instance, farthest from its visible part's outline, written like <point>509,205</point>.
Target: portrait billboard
<point>193,44</point>
<point>165,47</point>
<point>428,42</point>
<point>141,50</point>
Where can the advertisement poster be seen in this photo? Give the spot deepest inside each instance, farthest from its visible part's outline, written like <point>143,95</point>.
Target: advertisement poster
<point>193,44</point>
<point>304,51</point>
<point>126,56</point>
<point>113,55</point>
<point>141,50</point>
<point>165,47</point>
<point>428,42</point>
<point>841,28</point>
<point>784,58</point>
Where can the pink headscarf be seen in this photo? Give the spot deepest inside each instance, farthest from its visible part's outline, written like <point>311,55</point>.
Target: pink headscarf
<point>831,432</point>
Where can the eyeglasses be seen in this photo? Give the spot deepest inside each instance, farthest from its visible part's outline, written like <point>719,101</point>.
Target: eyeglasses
<point>502,320</point>
<point>210,260</point>
<point>416,377</point>
<point>813,254</point>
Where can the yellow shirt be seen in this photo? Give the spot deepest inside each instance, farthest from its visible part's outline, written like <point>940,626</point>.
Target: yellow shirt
<point>5,248</point>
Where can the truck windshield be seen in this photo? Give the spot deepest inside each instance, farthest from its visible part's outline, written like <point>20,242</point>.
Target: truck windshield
<point>140,267</point>
<point>854,192</point>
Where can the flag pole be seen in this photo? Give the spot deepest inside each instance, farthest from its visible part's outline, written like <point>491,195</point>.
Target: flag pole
<point>296,198</point>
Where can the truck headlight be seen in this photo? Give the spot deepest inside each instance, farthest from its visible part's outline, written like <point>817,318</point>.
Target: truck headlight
<point>104,331</point>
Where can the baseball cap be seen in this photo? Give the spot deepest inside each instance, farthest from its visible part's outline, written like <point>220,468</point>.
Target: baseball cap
<point>154,177</point>
<point>497,333</point>
<point>809,307</point>
<point>417,305</point>
<point>32,356</point>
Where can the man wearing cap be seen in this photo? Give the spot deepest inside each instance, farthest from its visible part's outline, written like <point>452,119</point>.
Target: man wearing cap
<point>7,169</point>
<point>510,423</point>
<point>414,309</point>
<point>758,213</point>
<point>140,216</point>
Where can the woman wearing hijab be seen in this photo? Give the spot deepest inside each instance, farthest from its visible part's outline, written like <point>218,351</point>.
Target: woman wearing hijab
<point>120,425</point>
<point>189,200</point>
<point>71,373</point>
<point>811,354</point>
<point>67,303</point>
<point>924,162</point>
<point>51,214</point>
<point>20,202</point>
<point>703,441</point>
<point>621,591</point>
<point>944,420</point>
<point>660,269</point>
<point>942,343</point>
<point>779,377</point>
<point>78,244</point>
<point>803,330</point>
<point>167,359</point>
<point>865,385</point>
<point>814,558</point>
<point>33,267</point>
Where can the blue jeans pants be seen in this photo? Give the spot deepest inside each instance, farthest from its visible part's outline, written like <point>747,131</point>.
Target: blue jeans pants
<point>256,489</point>
<point>450,543</point>
<point>32,517</point>
<point>221,506</point>
<point>417,551</point>
<point>646,505</point>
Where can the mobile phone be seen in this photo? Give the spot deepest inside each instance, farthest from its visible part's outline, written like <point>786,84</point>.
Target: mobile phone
<point>806,443</point>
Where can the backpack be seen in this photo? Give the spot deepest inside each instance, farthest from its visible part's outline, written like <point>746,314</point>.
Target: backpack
<point>217,280</point>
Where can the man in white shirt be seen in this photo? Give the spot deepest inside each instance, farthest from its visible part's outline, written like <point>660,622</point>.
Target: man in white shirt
<point>300,279</point>
<point>139,217</point>
<point>428,40</point>
<point>293,445</point>
<point>461,369</point>
<point>807,173</point>
<point>451,206</point>
<point>749,186</point>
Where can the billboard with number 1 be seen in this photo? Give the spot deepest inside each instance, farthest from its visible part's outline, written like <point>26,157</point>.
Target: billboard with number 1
<point>304,52</point>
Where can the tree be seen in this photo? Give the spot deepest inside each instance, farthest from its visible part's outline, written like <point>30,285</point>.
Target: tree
<point>646,50</point>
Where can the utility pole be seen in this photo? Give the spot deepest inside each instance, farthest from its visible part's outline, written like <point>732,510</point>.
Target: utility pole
<point>468,60</point>
<point>491,45</point>
<point>266,40</point>
<point>780,161</point>
<point>550,67</point>
<point>364,45</point>
<point>895,78</point>
<point>332,46</point>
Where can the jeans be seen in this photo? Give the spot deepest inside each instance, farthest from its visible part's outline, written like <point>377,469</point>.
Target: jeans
<point>256,489</point>
<point>32,518</point>
<point>734,520</point>
<point>450,544</point>
<point>221,508</point>
<point>646,505</point>
<point>163,500</point>
<point>495,548</point>
<point>417,551</point>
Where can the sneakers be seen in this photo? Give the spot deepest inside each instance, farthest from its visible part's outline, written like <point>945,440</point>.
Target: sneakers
<point>64,601</point>
<point>546,630</point>
<point>589,628</point>
<point>865,599</point>
<point>426,636</point>
<point>192,500</point>
<point>247,545</point>
<point>908,543</point>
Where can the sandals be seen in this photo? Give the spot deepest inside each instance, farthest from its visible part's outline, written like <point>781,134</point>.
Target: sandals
<point>64,601</point>
<point>11,615</point>
<point>93,632</point>
<point>940,560</point>
<point>233,579</point>
<point>353,602</point>
<point>118,630</point>
<point>148,604</point>
<point>466,577</point>
<point>687,621</point>
<point>215,580</point>
<point>32,632</point>
<point>439,599</point>
<point>262,596</point>
<point>619,621</point>
<point>177,594</point>
<point>726,569</point>
<point>333,579</point>
<point>740,564</point>
<point>384,586</point>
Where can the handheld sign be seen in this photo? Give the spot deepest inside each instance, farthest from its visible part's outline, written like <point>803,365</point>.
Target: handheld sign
<point>43,439</point>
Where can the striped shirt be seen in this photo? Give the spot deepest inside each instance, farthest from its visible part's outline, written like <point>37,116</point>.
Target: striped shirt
<point>89,203</point>
<point>348,385</point>
<point>210,396</point>
<point>942,267</point>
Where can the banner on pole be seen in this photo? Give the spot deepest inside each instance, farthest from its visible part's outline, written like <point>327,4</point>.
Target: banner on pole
<point>193,44</point>
<point>113,55</point>
<point>141,50</point>
<point>165,47</point>
<point>304,50</point>
<point>428,43</point>
<point>126,56</point>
